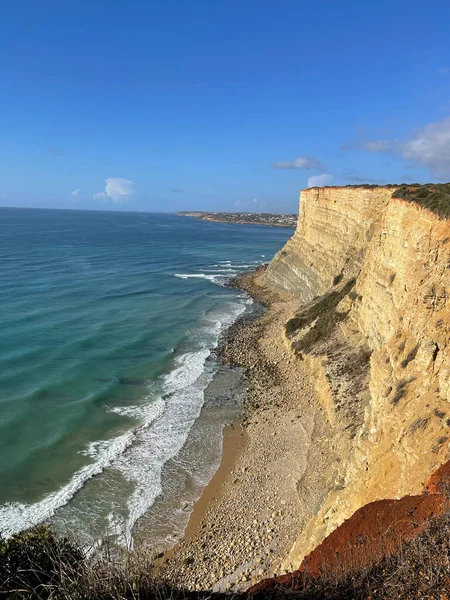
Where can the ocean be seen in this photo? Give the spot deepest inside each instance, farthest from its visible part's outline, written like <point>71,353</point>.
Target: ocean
<point>112,404</point>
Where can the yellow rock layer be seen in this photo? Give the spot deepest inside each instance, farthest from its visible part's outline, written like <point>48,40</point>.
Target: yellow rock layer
<point>399,310</point>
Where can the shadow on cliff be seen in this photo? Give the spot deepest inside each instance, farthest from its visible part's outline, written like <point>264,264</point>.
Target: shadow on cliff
<point>318,318</point>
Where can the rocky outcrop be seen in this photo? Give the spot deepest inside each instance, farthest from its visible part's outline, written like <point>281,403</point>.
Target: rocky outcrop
<point>372,275</point>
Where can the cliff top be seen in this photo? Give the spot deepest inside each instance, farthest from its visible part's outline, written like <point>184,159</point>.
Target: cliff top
<point>433,196</point>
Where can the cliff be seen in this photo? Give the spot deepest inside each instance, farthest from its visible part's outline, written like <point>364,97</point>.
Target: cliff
<point>372,276</point>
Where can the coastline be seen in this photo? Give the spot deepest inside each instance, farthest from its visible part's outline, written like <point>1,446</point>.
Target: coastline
<point>234,444</point>
<point>241,219</point>
<point>274,469</point>
<point>247,223</point>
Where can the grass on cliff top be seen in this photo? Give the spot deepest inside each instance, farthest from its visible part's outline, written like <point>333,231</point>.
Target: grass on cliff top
<point>433,196</point>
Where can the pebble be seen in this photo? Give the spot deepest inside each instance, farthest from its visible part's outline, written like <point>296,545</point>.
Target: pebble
<point>237,530</point>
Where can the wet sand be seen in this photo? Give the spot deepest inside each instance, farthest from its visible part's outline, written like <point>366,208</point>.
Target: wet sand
<point>235,440</point>
<point>271,478</point>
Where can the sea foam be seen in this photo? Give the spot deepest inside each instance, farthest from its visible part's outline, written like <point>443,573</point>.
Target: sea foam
<point>141,453</point>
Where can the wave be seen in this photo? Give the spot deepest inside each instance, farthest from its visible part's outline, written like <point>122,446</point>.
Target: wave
<point>241,266</point>
<point>17,516</point>
<point>219,270</point>
<point>217,279</point>
<point>141,453</point>
<point>185,385</point>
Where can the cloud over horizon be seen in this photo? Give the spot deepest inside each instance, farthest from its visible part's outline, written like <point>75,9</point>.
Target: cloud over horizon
<point>357,179</point>
<point>320,180</point>
<point>76,193</point>
<point>117,189</point>
<point>305,162</point>
<point>249,205</point>
<point>428,147</point>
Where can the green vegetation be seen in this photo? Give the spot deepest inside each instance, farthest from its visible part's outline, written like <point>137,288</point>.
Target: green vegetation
<point>36,562</point>
<point>36,565</point>
<point>411,356</point>
<point>39,565</point>
<point>324,312</point>
<point>433,196</point>
<point>337,280</point>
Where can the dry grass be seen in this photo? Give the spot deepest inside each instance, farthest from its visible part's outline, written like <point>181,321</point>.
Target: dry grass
<point>37,565</point>
<point>420,569</point>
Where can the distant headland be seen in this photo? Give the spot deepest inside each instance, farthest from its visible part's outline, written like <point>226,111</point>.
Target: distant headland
<point>244,218</point>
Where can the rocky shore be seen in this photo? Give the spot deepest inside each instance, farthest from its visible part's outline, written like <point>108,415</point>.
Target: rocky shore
<point>277,477</point>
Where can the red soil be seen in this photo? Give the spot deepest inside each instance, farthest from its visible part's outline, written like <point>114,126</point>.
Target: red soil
<point>377,529</point>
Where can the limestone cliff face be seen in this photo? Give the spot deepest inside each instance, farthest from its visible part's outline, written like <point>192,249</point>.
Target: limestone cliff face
<point>378,341</point>
<point>334,228</point>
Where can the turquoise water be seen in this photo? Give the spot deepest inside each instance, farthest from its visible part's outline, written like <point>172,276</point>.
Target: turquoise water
<point>111,403</point>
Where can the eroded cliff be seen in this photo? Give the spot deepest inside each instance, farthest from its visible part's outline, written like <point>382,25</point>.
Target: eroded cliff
<point>372,275</point>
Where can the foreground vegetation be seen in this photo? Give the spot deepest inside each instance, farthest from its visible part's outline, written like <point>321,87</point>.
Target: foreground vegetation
<point>38,565</point>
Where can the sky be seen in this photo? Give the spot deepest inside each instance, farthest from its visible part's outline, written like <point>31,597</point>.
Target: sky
<point>214,105</point>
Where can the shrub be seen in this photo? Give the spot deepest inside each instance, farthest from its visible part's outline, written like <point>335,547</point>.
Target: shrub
<point>410,356</point>
<point>34,562</point>
<point>439,413</point>
<point>321,310</point>
<point>401,391</point>
<point>338,279</point>
<point>39,565</point>
<point>433,196</point>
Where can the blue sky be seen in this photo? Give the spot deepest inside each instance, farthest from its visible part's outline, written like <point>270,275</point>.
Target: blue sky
<point>237,105</point>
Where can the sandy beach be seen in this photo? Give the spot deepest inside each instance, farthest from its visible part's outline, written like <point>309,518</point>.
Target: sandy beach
<point>276,463</point>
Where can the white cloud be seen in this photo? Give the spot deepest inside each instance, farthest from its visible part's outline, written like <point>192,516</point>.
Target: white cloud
<point>76,193</point>
<point>379,145</point>
<point>356,179</point>
<point>250,205</point>
<point>306,162</point>
<point>320,180</point>
<point>117,189</point>
<point>100,196</point>
<point>429,147</point>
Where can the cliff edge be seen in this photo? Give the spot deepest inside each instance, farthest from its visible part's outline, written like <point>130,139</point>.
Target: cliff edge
<point>371,272</point>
